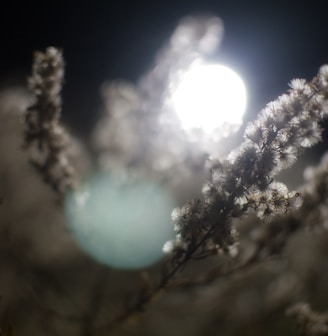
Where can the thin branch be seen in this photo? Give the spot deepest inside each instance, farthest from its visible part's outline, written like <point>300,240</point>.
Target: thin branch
<point>95,302</point>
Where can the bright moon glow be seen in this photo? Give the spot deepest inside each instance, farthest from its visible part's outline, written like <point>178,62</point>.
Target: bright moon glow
<point>210,96</point>
<point>121,224</point>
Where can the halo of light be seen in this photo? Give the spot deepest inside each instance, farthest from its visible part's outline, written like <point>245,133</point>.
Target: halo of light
<point>209,96</point>
<point>121,224</point>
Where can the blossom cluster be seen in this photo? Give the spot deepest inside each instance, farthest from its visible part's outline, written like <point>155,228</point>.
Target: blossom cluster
<point>245,179</point>
<point>51,147</point>
<point>309,321</point>
<point>140,128</point>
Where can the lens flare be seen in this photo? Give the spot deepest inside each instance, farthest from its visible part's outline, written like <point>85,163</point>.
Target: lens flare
<point>121,224</point>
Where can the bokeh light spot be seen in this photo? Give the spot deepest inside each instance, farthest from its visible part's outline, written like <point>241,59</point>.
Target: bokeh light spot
<point>121,223</point>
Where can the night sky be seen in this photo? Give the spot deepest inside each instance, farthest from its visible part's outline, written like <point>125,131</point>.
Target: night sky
<point>267,42</point>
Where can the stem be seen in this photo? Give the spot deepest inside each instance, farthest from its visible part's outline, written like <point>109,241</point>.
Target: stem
<point>138,306</point>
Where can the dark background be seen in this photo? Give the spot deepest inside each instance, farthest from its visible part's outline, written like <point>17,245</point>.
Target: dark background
<point>267,42</point>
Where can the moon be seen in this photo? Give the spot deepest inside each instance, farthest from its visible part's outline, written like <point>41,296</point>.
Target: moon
<point>209,96</point>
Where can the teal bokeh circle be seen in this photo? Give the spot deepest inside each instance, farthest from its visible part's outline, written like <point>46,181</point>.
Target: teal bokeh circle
<point>123,224</point>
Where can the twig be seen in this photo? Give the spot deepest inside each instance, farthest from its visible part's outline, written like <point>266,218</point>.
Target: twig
<point>95,301</point>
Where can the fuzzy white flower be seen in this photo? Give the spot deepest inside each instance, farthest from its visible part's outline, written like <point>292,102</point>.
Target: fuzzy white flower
<point>168,246</point>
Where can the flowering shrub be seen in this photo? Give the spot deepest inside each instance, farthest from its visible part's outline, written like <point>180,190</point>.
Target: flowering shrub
<point>245,253</point>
